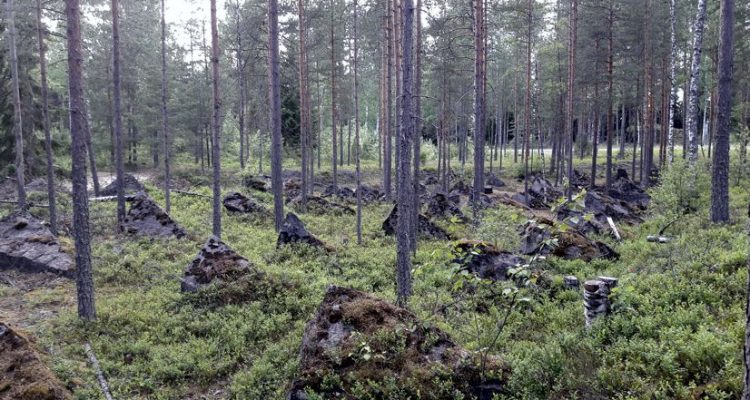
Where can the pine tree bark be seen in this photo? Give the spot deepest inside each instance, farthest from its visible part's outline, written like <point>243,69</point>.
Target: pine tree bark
<point>45,120</point>
<point>216,131</point>
<point>417,122</point>
<point>388,132</point>
<point>303,99</point>
<point>405,189</point>
<point>241,84</point>
<point>17,119</point>
<point>527,111</point>
<point>78,125</point>
<point>117,113</point>
<point>274,101</point>
<point>692,111</point>
<point>334,149</point>
<point>479,102</point>
<point>357,150</point>
<point>164,110</point>
<point>610,91</point>
<point>648,115</point>
<point>720,166</point>
<point>571,92</point>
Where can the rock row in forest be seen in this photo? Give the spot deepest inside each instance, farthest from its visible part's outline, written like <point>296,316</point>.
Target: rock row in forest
<point>131,186</point>
<point>27,244</point>
<point>345,339</point>
<point>294,231</point>
<point>23,375</point>
<point>426,228</point>
<point>147,218</point>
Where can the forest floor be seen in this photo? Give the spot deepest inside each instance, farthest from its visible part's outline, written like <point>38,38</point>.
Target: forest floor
<point>676,330</point>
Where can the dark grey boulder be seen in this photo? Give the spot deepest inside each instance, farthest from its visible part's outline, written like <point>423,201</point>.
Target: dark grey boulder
<point>333,367</point>
<point>426,228</point>
<point>26,244</point>
<point>239,203</point>
<point>485,260</point>
<point>147,218</point>
<point>132,186</point>
<point>294,231</point>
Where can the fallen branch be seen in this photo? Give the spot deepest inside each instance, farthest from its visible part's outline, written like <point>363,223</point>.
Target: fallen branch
<point>28,204</point>
<point>110,198</point>
<point>99,374</point>
<point>190,193</point>
<point>614,228</point>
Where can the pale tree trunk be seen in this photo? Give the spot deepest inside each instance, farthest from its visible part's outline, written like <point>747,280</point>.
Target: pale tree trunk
<point>334,149</point>
<point>405,189</point>
<point>479,102</point>
<point>672,85</point>
<point>45,120</point>
<point>610,91</point>
<point>356,125</point>
<point>417,122</point>
<point>571,89</point>
<point>274,101</point>
<point>92,156</point>
<point>241,85</point>
<point>527,111</point>
<point>692,111</point>
<point>720,166</point>
<point>164,111</point>
<point>78,125</point>
<point>216,131</point>
<point>303,100</point>
<point>596,130</point>
<point>117,113</point>
<point>648,115</point>
<point>17,121</point>
<point>388,132</point>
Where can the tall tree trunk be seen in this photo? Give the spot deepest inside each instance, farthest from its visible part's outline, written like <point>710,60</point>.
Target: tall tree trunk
<point>692,111</point>
<point>356,124</point>
<point>242,87</point>
<point>571,92</point>
<point>479,103</point>
<point>92,156</point>
<point>164,111</point>
<point>720,166</point>
<point>527,111</point>
<point>45,120</point>
<point>78,125</point>
<point>405,188</point>
<point>417,122</point>
<point>117,113</point>
<point>596,130</point>
<point>17,120</point>
<point>610,90</point>
<point>387,173</point>
<point>303,100</point>
<point>334,163</point>
<point>216,131</point>
<point>648,86</point>
<point>274,101</point>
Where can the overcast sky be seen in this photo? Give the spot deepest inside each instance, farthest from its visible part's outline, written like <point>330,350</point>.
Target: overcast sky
<point>179,11</point>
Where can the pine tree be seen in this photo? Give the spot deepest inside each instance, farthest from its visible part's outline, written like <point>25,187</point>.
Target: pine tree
<point>274,101</point>
<point>78,127</point>
<point>720,165</point>
<point>216,128</point>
